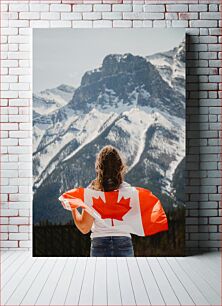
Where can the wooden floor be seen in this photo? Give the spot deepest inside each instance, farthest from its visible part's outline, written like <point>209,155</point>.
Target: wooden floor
<point>193,280</point>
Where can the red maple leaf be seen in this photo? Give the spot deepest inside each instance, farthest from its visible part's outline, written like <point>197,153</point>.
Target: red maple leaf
<point>111,209</point>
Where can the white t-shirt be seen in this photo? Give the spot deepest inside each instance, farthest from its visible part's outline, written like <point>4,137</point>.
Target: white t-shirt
<point>99,230</point>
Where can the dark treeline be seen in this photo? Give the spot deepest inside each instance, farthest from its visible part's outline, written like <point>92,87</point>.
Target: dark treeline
<point>66,240</point>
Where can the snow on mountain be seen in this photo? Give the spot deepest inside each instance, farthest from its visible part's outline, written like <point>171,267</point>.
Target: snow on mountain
<point>50,100</point>
<point>79,132</point>
<point>88,130</point>
<point>171,66</point>
<point>136,123</point>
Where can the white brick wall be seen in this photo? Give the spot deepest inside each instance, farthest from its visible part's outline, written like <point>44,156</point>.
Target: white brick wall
<point>202,21</point>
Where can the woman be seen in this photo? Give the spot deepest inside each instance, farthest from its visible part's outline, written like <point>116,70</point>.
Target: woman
<point>106,242</point>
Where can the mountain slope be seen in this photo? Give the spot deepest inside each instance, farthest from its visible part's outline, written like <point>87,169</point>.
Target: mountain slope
<point>171,66</point>
<point>49,100</point>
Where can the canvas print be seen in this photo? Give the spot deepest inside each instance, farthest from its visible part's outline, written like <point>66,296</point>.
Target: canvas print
<point>109,99</point>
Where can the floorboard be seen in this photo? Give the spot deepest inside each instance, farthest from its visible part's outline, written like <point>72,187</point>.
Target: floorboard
<point>186,279</point>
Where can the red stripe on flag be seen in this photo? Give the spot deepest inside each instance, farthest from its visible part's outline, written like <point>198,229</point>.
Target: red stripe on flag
<point>153,216</point>
<point>74,195</point>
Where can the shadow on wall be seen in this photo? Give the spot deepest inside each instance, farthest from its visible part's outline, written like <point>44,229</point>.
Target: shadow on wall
<point>192,173</point>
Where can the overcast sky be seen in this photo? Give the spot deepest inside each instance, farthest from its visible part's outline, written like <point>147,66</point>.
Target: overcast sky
<point>62,56</point>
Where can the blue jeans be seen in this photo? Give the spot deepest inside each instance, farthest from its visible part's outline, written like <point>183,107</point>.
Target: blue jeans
<point>108,246</point>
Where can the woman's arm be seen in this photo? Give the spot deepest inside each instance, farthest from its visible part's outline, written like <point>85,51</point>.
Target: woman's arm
<point>82,221</point>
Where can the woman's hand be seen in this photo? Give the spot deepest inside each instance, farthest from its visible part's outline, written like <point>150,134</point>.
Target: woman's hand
<point>82,221</point>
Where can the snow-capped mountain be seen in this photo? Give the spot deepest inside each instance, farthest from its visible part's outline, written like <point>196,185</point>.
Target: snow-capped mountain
<point>50,100</point>
<point>127,103</point>
<point>171,66</point>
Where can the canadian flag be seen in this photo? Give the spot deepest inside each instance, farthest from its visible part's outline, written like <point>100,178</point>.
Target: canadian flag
<point>133,209</point>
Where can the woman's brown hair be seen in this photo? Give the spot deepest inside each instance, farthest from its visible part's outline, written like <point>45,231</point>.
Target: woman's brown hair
<point>110,169</point>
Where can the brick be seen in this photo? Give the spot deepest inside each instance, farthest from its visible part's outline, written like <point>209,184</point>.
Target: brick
<point>137,7</point>
<point>4,7</point>
<point>4,236</point>
<point>3,220</point>
<point>8,244</point>
<point>60,8</point>
<point>177,8</point>
<point>18,102</point>
<point>39,24</point>
<point>187,16</point>
<point>19,118</point>
<point>199,236</point>
<point>13,47</point>
<point>102,7</point>
<point>179,23</point>
<point>9,212</point>
<point>8,142</point>
<point>9,63</point>
<point>24,212</point>
<point>19,71</point>
<point>215,236</point>
<point>102,23</point>
<point>18,7</point>
<point>9,173</point>
<point>197,7</point>
<point>111,15</point>
<point>18,23</point>
<point>122,23</point>
<point>82,24</point>
<point>160,23</point>
<point>138,15</point>
<point>8,228</point>
<point>37,7</point>
<point>213,7</point>
<point>9,31</point>
<point>52,15</point>
<point>208,39</point>
<point>29,15</point>
<point>70,16</point>
<point>9,126</point>
<point>18,236</point>
<point>215,63</point>
<point>171,16</point>
<point>215,220</point>
<point>93,15</point>
<point>60,23</point>
<point>24,244</point>
<point>18,55</point>
<point>82,8</point>
<point>24,126</point>
<point>203,23</point>
<point>4,134</point>
<point>19,39</point>
<point>24,229</point>
<point>139,23</point>
<point>13,158</point>
<point>154,8</point>
<point>208,212</point>
<point>208,205</point>
<point>9,94</point>
<point>121,7</point>
<point>204,31</point>
<point>25,31</point>
<point>208,15</point>
<point>19,149</point>
<point>215,31</point>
